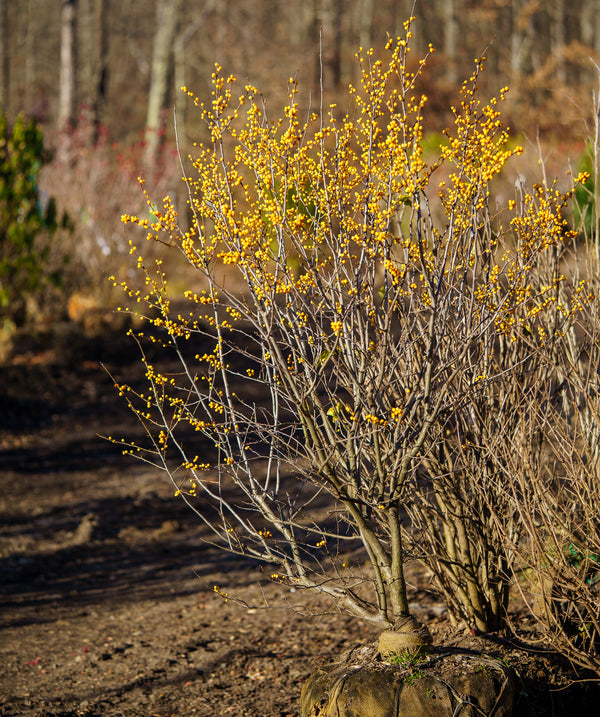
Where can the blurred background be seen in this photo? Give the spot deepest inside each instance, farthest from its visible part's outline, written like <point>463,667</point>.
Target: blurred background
<point>102,79</point>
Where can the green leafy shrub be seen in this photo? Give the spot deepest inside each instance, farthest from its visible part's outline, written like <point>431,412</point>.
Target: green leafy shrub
<point>27,228</point>
<point>585,196</point>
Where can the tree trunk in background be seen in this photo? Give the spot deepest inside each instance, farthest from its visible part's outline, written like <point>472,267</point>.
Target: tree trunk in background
<point>94,32</point>
<point>167,14</point>
<point>330,23</point>
<point>301,20</point>
<point>596,6</point>
<point>520,40</point>
<point>4,58</point>
<point>101,77</point>
<point>66,94</point>
<point>450,39</point>
<point>180,75</point>
<point>181,102</point>
<point>589,32</point>
<point>558,33</point>
<point>587,21</point>
<point>400,12</point>
<point>362,29</point>
<point>365,28</point>
<point>30,55</point>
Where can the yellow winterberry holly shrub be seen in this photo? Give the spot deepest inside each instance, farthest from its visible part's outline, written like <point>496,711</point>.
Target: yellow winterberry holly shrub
<point>345,331</point>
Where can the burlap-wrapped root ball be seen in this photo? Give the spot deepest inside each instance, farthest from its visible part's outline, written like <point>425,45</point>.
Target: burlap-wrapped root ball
<point>409,637</point>
<point>445,684</point>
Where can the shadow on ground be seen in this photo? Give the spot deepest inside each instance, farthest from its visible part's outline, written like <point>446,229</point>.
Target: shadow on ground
<point>107,600</point>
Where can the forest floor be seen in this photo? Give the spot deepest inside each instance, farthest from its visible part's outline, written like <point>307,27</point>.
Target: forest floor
<point>107,604</point>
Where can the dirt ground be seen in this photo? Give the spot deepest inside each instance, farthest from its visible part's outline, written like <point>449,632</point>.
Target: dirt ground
<point>106,587</point>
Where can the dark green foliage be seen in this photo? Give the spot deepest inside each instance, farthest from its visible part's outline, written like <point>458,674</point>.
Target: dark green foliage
<point>586,198</point>
<point>26,227</point>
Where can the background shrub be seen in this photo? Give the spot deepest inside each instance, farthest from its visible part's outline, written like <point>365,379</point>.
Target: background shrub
<point>28,222</point>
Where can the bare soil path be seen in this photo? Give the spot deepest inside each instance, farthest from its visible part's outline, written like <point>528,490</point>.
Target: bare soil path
<point>106,587</point>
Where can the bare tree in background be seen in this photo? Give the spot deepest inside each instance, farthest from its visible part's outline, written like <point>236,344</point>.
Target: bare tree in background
<point>450,40</point>
<point>4,56</point>
<point>167,14</point>
<point>66,96</point>
<point>365,23</point>
<point>180,74</point>
<point>94,37</point>
<point>30,37</point>
<point>329,15</point>
<point>301,19</point>
<point>558,18</point>
<point>589,24</point>
<point>270,41</point>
